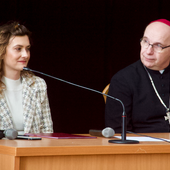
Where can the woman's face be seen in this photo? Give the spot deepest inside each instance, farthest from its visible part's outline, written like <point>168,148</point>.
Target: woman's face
<point>16,57</point>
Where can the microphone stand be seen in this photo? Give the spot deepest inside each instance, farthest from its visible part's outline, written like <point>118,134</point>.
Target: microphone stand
<point>124,128</point>
<point>123,140</point>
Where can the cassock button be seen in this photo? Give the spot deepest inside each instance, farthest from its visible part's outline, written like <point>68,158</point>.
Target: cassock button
<point>163,94</point>
<point>163,85</point>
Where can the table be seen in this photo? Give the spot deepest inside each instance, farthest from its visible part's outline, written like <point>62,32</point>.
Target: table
<point>84,154</point>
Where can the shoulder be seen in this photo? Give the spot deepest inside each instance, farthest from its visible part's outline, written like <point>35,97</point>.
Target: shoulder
<point>129,77</point>
<point>39,80</point>
<point>35,82</point>
<point>130,72</point>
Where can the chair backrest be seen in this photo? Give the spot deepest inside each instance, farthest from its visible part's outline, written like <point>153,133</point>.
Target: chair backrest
<point>105,91</point>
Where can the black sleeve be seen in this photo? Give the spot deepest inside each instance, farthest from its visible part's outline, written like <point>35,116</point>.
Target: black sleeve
<point>119,88</point>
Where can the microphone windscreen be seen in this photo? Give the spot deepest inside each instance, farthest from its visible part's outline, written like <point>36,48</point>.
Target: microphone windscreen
<point>10,134</point>
<point>108,132</point>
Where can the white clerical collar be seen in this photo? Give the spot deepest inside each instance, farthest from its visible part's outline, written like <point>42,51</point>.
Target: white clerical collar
<point>161,71</point>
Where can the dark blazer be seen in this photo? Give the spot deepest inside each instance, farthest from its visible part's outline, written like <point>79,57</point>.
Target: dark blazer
<point>145,112</point>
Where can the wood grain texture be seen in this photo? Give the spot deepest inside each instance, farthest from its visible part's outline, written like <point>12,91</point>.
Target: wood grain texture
<point>97,162</point>
<point>7,162</point>
<point>88,154</point>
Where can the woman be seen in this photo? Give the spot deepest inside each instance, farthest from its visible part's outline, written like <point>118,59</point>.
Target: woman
<point>24,104</point>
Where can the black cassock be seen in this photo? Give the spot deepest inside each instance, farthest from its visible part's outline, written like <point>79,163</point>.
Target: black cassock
<point>145,112</point>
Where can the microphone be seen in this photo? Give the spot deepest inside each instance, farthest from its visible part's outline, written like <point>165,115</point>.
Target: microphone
<point>9,134</point>
<point>123,140</point>
<point>107,132</point>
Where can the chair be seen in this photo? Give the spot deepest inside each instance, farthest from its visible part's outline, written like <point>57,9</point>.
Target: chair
<point>105,91</point>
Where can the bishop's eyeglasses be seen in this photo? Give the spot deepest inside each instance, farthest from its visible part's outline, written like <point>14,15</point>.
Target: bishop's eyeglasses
<point>156,47</point>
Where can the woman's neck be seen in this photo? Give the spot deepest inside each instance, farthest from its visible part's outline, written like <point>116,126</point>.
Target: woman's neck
<point>12,75</point>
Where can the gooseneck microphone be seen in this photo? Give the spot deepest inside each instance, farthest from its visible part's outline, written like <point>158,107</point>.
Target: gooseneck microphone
<point>107,132</point>
<point>9,134</point>
<point>28,69</point>
<point>123,140</point>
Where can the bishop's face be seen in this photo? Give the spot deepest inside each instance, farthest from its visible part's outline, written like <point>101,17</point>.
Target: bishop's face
<point>159,34</point>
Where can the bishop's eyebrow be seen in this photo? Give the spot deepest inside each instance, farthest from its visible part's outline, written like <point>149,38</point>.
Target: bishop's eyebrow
<point>154,42</point>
